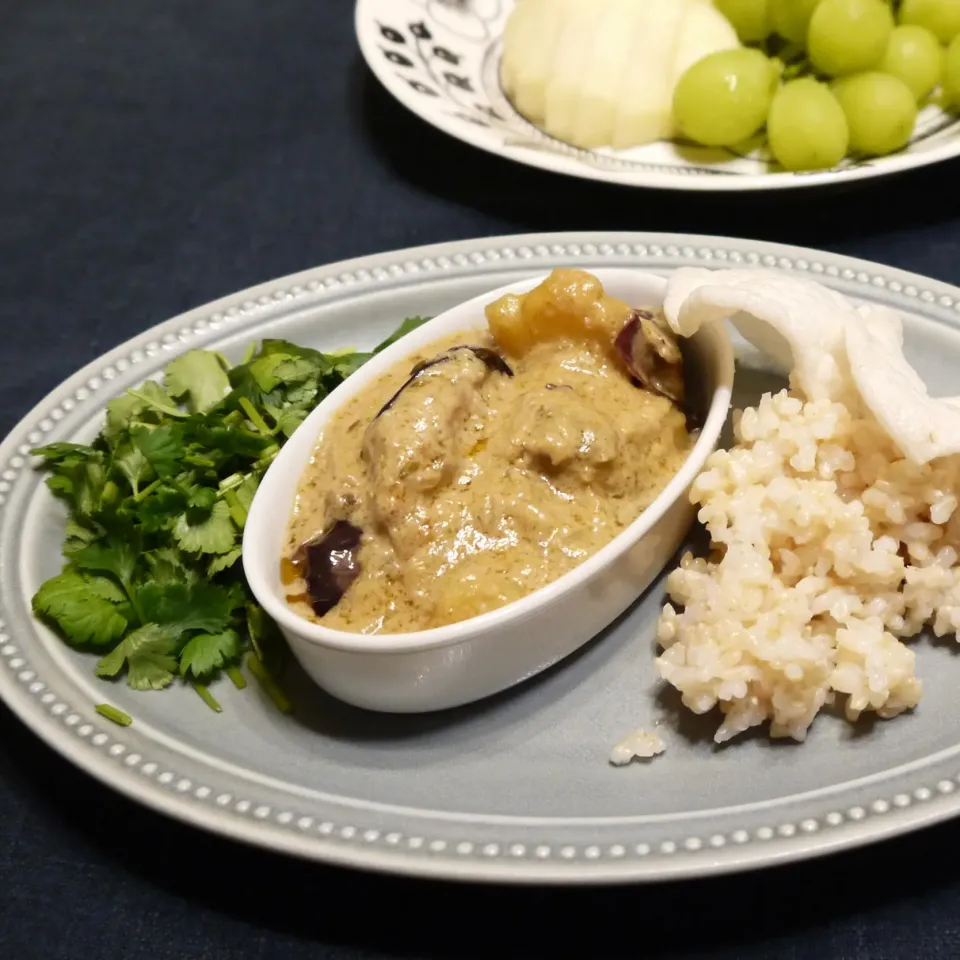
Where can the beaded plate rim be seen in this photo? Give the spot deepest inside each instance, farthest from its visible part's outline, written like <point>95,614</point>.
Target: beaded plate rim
<point>925,791</point>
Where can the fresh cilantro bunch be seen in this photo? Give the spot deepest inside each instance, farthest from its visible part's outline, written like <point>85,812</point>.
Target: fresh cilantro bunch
<point>153,580</point>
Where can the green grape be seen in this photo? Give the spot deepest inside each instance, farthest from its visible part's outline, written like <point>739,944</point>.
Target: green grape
<point>881,112</point>
<point>940,17</point>
<point>750,18</point>
<point>848,36</point>
<point>724,98</point>
<point>914,56</point>
<point>806,127</point>
<point>951,73</point>
<point>789,18</point>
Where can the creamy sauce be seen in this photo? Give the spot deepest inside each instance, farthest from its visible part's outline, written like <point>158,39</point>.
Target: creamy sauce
<point>475,488</point>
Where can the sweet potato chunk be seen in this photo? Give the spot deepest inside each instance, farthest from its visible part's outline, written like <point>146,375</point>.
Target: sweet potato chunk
<point>569,304</point>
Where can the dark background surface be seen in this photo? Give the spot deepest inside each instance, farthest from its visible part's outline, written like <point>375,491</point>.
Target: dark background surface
<point>155,155</point>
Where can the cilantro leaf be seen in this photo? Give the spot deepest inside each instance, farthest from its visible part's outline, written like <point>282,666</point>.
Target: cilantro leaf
<point>197,378</point>
<point>116,557</point>
<point>265,637</point>
<point>77,536</point>
<point>161,509</point>
<point>148,655</point>
<point>207,652</point>
<point>80,484</point>
<point>289,420</point>
<point>87,609</point>
<point>131,462</point>
<point>105,588</point>
<point>216,533</point>
<point>158,502</point>
<point>120,414</point>
<point>273,369</point>
<point>229,440</point>
<point>155,399</point>
<point>411,323</point>
<point>247,489</point>
<point>270,346</point>
<point>165,565</point>
<point>160,446</point>
<point>264,371</point>
<point>180,607</point>
<point>295,370</point>
<point>66,454</point>
<point>201,499</point>
<point>223,562</point>
<point>239,498</point>
<point>349,365</point>
<point>302,395</point>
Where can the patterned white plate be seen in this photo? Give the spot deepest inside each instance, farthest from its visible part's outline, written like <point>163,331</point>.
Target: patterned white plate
<point>516,788</point>
<point>440,59</point>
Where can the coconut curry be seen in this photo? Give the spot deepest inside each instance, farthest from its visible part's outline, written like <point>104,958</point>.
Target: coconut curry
<point>489,463</point>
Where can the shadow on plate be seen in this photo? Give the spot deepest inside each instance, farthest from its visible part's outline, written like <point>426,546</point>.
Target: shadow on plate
<point>949,642</point>
<point>535,200</point>
<point>698,729</point>
<point>120,854</point>
<point>324,714</point>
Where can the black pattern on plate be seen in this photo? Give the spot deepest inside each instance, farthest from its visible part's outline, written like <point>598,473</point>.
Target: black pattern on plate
<point>452,55</point>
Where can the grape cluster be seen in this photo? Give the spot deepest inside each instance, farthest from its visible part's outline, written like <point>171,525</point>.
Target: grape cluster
<point>825,78</point>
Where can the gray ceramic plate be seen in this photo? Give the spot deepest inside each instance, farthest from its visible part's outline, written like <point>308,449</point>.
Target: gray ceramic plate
<point>517,788</point>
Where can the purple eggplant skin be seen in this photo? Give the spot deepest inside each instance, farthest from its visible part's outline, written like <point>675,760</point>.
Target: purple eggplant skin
<point>655,360</point>
<point>491,358</point>
<point>332,564</point>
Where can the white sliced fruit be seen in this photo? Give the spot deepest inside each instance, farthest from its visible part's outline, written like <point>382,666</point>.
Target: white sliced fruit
<point>569,65</point>
<point>528,45</point>
<point>608,60</point>
<point>645,101</point>
<point>704,30</point>
<point>603,72</point>
<point>516,37</point>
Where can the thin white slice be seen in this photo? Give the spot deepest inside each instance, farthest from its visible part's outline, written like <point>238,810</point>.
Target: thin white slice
<point>644,113</point>
<point>798,323</point>
<point>832,349</point>
<point>530,50</point>
<point>923,427</point>
<point>609,57</point>
<point>518,34</point>
<point>704,30</point>
<point>569,62</point>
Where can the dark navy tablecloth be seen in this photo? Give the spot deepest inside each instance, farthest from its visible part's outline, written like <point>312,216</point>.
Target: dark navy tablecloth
<point>155,154</point>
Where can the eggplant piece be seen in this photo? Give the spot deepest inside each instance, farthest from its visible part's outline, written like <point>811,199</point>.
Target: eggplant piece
<point>652,355</point>
<point>655,359</point>
<point>332,564</point>
<point>491,358</point>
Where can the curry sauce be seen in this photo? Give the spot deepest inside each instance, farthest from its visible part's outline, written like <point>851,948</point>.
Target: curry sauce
<point>481,468</point>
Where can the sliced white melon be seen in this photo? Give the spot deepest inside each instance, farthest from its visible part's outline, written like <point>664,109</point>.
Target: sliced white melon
<point>569,64</point>
<point>704,30</point>
<point>528,46</point>
<point>609,57</point>
<point>602,72</point>
<point>517,33</point>
<point>644,113</point>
